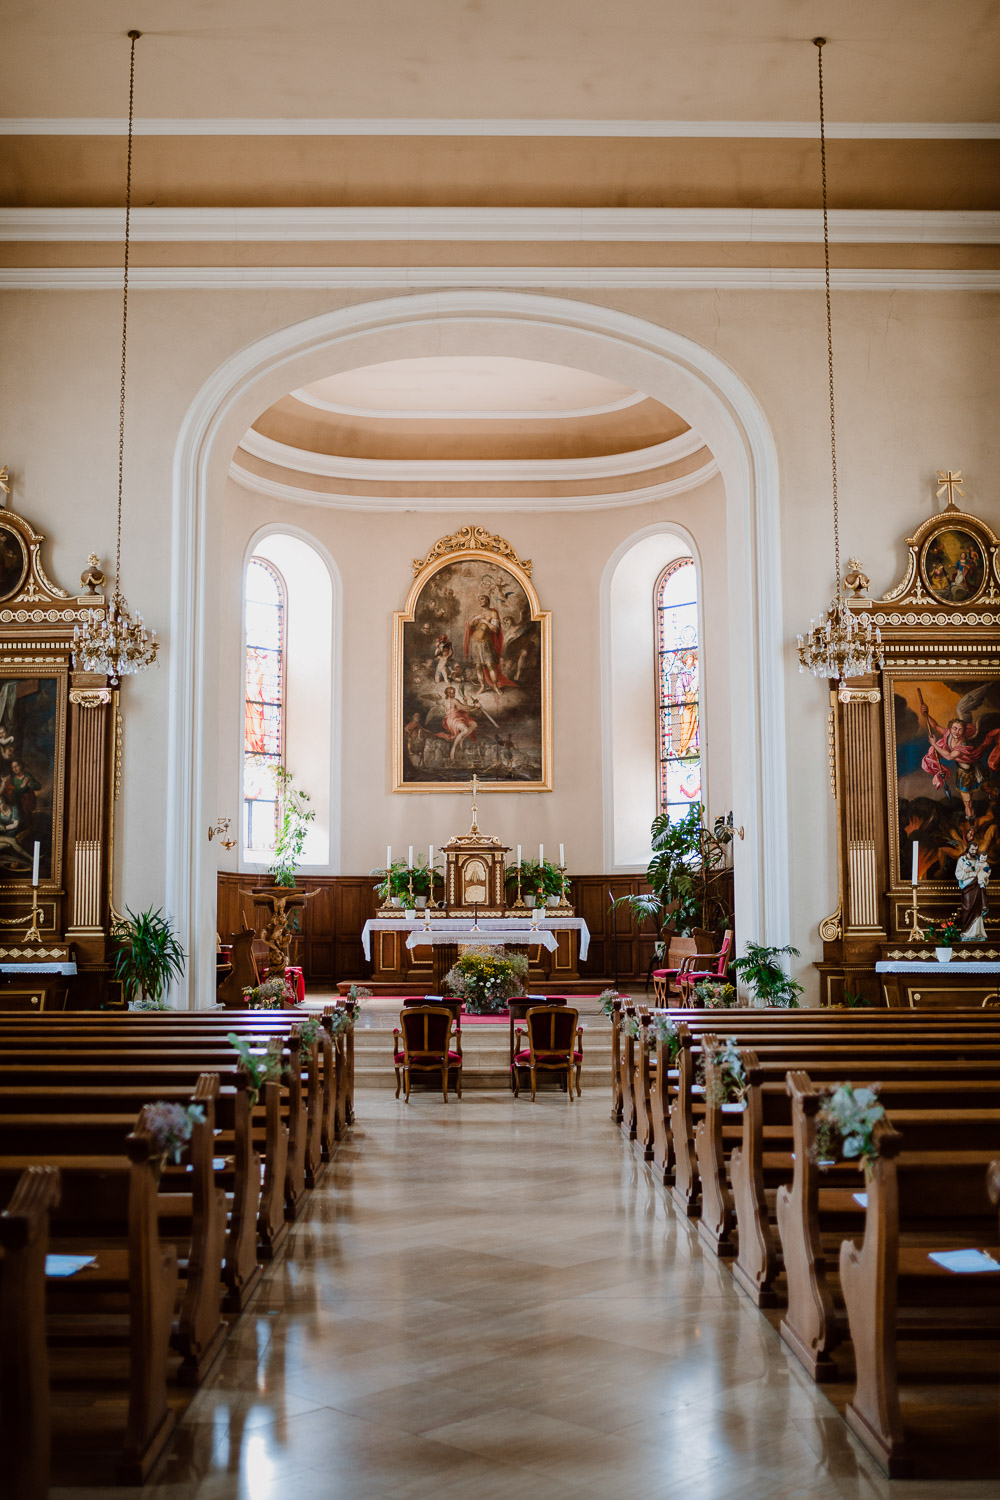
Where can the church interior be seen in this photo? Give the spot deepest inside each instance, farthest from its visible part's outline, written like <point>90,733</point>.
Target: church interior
<point>500,750</point>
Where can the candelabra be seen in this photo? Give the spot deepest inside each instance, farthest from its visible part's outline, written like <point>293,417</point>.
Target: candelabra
<point>916,931</point>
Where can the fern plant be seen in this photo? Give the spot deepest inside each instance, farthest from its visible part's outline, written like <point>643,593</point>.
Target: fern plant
<point>150,956</point>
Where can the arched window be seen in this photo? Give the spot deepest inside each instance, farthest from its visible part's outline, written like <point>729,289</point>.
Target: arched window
<point>675,602</point>
<point>264,718</point>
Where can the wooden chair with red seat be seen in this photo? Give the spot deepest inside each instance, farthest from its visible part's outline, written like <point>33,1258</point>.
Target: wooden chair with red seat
<point>704,966</point>
<point>680,954</point>
<point>554,1045</point>
<point>422,1043</point>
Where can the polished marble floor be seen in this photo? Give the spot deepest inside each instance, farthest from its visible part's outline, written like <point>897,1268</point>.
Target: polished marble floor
<point>492,1299</point>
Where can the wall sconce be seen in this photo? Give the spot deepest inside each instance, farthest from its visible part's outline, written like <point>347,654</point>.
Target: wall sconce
<point>220,830</point>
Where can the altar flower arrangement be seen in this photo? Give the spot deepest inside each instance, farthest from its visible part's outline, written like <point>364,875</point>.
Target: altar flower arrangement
<point>486,978</point>
<point>260,1067</point>
<point>170,1127</point>
<point>715,994</point>
<point>271,995</point>
<point>725,1077</point>
<point>845,1125</point>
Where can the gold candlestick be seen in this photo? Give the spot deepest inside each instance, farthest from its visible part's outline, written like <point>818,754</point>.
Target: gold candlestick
<point>563,903</point>
<point>916,931</point>
<point>519,903</point>
<point>33,935</point>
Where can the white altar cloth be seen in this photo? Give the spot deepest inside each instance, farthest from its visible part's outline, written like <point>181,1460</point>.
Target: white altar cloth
<point>931,966</point>
<point>491,930</point>
<point>37,968</point>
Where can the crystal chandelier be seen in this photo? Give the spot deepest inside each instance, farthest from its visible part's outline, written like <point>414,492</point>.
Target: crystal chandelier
<point>113,641</point>
<point>842,644</point>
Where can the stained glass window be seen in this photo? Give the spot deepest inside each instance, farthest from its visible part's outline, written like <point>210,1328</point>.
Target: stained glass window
<point>263,732</point>
<point>675,601</point>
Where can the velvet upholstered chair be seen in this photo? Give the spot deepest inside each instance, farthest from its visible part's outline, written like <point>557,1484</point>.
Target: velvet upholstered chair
<point>426,1041</point>
<point>554,1045</point>
<point>704,966</point>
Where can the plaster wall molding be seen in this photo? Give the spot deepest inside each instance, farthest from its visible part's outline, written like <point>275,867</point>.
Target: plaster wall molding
<point>426,278</point>
<point>470,471</point>
<point>275,489</point>
<point>532,225</point>
<point>876,130</point>
<point>384,414</point>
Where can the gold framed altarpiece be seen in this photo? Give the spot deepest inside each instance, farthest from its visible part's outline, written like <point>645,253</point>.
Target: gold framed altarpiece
<point>915,755</point>
<point>472,672</point>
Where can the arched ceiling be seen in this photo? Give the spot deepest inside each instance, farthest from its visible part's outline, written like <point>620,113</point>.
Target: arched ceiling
<point>487,427</point>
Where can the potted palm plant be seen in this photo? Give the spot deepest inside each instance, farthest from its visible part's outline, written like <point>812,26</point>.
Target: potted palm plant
<point>762,970</point>
<point>689,875</point>
<point>149,958</point>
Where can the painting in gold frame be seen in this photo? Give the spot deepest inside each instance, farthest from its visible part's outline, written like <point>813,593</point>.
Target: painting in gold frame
<point>32,759</point>
<point>472,672</point>
<point>943,768</point>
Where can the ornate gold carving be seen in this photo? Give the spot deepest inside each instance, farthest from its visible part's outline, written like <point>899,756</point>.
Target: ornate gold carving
<point>471,539</point>
<point>92,577</point>
<point>856,578</point>
<point>831,929</point>
<point>90,697</point>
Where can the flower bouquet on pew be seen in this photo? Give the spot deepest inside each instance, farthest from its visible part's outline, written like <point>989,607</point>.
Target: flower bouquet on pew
<point>845,1125</point>
<point>170,1127</point>
<point>606,1000</point>
<point>665,1029</point>
<point>722,1072</point>
<point>716,994</point>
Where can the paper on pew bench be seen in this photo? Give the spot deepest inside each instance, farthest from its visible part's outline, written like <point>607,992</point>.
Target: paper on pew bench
<point>67,1265</point>
<point>965,1261</point>
<point>861,1198</point>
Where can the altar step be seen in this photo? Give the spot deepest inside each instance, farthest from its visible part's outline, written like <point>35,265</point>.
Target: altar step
<point>484,1052</point>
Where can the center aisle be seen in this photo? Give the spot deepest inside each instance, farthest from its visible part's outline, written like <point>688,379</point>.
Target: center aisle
<point>492,1299</point>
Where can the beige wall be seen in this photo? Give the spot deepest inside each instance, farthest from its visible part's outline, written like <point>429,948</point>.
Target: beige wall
<point>917,376</point>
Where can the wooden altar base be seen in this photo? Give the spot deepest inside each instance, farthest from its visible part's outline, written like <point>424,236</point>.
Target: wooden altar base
<point>587,986</point>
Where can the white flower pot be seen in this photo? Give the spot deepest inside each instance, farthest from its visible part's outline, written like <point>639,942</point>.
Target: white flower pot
<point>529,900</point>
<point>395,900</point>
<point>552,900</point>
<point>421,902</point>
<point>410,913</point>
<point>943,955</point>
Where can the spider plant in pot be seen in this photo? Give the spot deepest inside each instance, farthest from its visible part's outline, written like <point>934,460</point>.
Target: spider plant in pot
<point>149,956</point>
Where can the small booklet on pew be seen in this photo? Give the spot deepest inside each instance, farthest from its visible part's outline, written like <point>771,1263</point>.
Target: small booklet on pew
<point>965,1261</point>
<point>67,1265</point>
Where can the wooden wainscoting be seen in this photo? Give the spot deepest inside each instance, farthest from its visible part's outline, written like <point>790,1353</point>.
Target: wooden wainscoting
<point>329,948</point>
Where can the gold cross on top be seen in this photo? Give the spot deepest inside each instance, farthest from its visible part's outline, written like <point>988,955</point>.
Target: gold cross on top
<point>950,482</point>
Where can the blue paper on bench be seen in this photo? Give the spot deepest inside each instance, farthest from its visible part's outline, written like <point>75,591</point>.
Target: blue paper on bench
<point>67,1265</point>
<point>965,1260</point>
<point>861,1198</point>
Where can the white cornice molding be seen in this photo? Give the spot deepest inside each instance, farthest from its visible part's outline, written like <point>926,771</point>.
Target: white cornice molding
<point>882,130</point>
<point>613,225</point>
<point>275,490</point>
<point>402,414</point>
<point>421,278</point>
<point>471,471</point>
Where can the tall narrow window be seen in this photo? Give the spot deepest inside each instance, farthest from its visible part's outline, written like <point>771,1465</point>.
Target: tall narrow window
<point>263,733</point>
<point>675,600</point>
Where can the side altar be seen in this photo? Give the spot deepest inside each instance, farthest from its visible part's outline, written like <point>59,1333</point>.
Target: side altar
<point>412,951</point>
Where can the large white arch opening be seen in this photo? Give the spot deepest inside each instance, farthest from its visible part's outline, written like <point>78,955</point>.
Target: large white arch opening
<point>682,374</point>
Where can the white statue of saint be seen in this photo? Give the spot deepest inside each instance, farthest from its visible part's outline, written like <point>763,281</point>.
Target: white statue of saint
<point>973,875</point>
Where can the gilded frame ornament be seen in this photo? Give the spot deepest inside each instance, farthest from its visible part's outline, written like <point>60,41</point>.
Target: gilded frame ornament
<point>518,732</point>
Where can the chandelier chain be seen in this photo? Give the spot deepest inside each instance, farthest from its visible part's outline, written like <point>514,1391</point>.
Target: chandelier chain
<point>134,37</point>
<point>820,43</point>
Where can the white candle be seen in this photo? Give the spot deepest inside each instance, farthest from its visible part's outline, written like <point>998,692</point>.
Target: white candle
<point>541,853</point>
<point>914,873</point>
<point>409,858</point>
<point>34,868</point>
<point>388,856</point>
<point>562,856</point>
<point>519,855</point>
<point>430,858</point>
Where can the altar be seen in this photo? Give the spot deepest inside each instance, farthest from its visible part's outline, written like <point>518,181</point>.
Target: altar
<point>417,951</point>
<point>924,984</point>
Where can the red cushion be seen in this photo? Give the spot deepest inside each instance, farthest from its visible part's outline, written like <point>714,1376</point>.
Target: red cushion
<point>523,1059</point>
<point>453,1057</point>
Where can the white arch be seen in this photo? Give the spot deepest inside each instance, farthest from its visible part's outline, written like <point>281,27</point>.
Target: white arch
<point>280,528</point>
<point>674,369</point>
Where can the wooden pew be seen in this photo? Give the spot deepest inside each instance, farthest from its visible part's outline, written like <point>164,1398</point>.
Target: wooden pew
<point>25,1419</point>
<point>108,1207</point>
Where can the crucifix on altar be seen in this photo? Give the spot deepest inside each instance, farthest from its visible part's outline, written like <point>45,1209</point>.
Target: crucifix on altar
<point>475,869</point>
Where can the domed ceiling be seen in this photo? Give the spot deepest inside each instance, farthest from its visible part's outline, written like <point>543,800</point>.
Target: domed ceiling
<point>461,428</point>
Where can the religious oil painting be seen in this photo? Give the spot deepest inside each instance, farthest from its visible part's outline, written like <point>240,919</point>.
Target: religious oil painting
<point>32,735</point>
<point>944,769</point>
<point>954,566</point>
<point>472,669</point>
<point>13,562</point>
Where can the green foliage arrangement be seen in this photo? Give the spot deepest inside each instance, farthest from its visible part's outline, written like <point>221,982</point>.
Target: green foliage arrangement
<point>260,1068</point>
<point>665,1029</point>
<point>342,1021</point>
<point>150,1005</point>
<point>310,1030</point>
<point>486,978</point>
<point>726,1080</point>
<point>716,994</point>
<point>761,970</point>
<point>845,1126</point>
<point>687,875</point>
<point>150,957</point>
<point>550,880</point>
<point>606,1000</point>
<point>395,881</point>
<point>294,815</point>
<point>531,878</point>
<point>630,1026</point>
